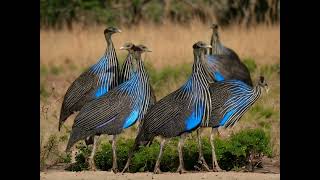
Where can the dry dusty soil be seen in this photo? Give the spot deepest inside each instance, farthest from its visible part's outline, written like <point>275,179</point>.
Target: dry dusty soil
<point>104,175</point>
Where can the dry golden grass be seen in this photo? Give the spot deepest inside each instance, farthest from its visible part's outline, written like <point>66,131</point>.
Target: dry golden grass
<point>171,44</point>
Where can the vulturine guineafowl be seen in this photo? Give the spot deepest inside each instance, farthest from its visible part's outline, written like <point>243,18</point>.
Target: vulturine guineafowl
<point>224,62</point>
<point>128,69</point>
<point>91,84</point>
<point>178,113</point>
<point>230,100</point>
<point>116,110</point>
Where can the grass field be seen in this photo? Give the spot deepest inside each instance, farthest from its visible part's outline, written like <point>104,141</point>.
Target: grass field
<point>65,54</point>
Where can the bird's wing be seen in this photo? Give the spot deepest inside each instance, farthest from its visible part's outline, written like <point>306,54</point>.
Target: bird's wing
<point>231,53</point>
<point>241,72</point>
<point>230,100</point>
<point>168,116</point>
<point>79,91</point>
<point>224,68</point>
<point>100,112</point>
<point>220,66</point>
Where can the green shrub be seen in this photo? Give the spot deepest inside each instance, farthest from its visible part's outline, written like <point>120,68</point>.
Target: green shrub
<point>81,159</point>
<point>49,153</point>
<point>250,63</point>
<point>232,153</point>
<point>235,152</point>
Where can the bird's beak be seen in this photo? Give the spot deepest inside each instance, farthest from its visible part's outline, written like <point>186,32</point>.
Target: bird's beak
<point>208,46</point>
<point>122,48</point>
<point>119,31</point>
<point>148,50</point>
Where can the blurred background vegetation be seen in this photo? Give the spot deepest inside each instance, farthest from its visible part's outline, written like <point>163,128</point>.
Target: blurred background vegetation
<point>56,13</point>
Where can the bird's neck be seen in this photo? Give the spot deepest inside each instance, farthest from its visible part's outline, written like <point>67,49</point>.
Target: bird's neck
<point>139,65</point>
<point>140,69</point>
<point>216,44</point>
<point>257,90</point>
<point>197,62</point>
<point>109,42</point>
<point>200,85</point>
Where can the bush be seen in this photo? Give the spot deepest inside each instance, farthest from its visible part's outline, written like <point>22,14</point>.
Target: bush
<point>81,159</point>
<point>239,148</point>
<point>232,153</point>
<point>50,154</point>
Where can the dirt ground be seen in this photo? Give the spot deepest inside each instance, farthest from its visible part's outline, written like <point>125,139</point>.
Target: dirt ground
<point>104,175</point>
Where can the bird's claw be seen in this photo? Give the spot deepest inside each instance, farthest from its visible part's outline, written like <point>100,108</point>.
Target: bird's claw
<point>157,171</point>
<point>115,170</point>
<point>181,170</point>
<point>204,164</point>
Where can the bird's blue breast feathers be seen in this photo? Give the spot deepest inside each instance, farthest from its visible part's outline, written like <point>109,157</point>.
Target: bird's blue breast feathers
<point>131,119</point>
<point>195,118</point>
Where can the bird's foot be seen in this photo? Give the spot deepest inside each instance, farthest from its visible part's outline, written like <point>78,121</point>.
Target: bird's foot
<point>92,166</point>
<point>125,169</point>
<point>203,163</point>
<point>181,170</point>
<point>115,170</point>
<point>217,169</point>
<point>157,170</point>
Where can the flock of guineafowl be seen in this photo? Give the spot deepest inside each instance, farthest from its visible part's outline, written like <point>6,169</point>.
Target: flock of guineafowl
<point>217,94</point>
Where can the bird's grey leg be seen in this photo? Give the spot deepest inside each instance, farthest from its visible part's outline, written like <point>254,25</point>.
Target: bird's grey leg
<point>180,146</point>
<point>157,166</point>
<point>215,166</point>
<point>114,155</point>
<point>126,167</point>
<point>201,159</point>
<point>92,165</point>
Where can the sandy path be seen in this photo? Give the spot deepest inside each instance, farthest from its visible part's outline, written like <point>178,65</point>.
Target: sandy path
<point>103,175</point>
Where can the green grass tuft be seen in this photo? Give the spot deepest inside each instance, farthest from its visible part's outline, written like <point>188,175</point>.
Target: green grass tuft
<point>251,64</point>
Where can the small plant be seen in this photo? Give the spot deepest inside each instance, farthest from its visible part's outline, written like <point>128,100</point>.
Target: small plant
<point>81,159</point>
<point>50,154</point>
<point>55,70</point>
<point>48,151</point>
<point>242,147</point>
